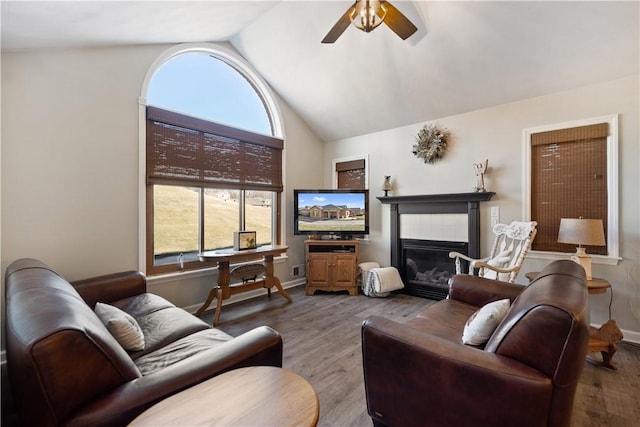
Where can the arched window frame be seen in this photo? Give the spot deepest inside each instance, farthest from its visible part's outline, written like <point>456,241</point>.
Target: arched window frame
<point>253,78</point>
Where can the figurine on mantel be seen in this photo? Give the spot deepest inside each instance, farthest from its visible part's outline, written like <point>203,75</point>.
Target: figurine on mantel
<point>480,169</point>
<point>386,185</point>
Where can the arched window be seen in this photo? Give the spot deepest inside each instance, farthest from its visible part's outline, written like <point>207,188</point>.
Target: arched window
<point>200,85</point>
<point>213,160</point>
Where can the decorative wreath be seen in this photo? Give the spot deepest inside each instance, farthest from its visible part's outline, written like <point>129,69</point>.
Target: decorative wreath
<point>431,143</point>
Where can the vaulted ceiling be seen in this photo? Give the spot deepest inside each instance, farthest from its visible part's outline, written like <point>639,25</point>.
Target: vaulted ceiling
<point>466,55</point>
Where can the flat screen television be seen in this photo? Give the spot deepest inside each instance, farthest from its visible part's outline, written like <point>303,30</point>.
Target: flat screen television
<point>343,213</point>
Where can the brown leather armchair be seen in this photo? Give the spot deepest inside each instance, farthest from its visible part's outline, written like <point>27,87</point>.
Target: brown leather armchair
<point>420,374</point>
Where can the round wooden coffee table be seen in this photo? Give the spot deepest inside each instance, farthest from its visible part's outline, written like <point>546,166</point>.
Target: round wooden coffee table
<point>254,396</point>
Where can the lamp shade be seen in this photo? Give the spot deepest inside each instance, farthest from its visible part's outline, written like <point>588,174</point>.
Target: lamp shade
<point>581,231</point>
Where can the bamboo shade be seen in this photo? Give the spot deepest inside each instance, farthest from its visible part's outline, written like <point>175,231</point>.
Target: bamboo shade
<point>184,150</point>
<point>351,174</point>
<point>569,180</point>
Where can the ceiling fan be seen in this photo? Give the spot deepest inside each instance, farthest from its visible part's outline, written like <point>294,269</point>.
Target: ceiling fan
<point>367,15</point>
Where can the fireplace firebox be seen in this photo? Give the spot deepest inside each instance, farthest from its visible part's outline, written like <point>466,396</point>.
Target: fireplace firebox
<point>426,267</point>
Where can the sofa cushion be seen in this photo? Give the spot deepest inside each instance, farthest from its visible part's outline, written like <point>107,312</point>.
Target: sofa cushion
<point>181,350</point>
<point>484,321</point>
<point>142,304</point>
<point>164,326</point>
<point>122,326</point>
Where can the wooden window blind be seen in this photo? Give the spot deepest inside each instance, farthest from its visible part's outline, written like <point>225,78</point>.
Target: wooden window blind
<point>568,180</point>
<point>184,150</point>
<point>351,174</point>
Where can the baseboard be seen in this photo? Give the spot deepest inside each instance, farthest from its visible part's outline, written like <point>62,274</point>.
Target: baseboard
<point>628,336</point>
<point>631,336</point>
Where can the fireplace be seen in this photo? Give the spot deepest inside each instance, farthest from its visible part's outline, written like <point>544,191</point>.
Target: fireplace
<point>426,267</point>
<point>424,229</point>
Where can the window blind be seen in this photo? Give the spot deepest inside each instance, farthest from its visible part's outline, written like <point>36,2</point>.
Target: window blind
<point>185,150</point>
<point>568,180</point>
<point>351,174</point>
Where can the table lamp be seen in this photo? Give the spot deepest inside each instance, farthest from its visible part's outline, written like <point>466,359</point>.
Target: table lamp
<point>580,231</point>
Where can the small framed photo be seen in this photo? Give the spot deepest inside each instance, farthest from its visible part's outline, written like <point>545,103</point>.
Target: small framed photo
<point>243,240</point>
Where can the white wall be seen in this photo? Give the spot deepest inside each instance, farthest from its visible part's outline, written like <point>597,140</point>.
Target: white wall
<point>496,134</point>
<point>70,165</point>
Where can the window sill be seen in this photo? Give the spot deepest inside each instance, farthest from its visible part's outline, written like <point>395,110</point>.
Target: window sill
<point>595,259</point>
<point>191,274</point>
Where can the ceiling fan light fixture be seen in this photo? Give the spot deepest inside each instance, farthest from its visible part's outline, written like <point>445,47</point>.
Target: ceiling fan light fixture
<point>368,15</point>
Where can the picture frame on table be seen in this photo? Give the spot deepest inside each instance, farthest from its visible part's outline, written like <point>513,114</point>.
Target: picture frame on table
<point>244,240</point>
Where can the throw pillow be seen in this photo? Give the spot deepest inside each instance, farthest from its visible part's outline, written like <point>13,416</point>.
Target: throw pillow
<point>484,321</point>
<point>122,326</point>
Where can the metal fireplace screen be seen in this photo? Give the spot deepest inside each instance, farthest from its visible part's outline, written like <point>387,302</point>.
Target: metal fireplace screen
<point>426,267</point>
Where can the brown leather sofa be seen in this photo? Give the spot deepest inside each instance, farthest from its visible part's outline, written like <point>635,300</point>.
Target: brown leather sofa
<point>420,374</point>
<point>66,368</point>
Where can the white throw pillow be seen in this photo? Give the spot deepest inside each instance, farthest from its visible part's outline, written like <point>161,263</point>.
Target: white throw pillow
<point>484,321</point>
<point>122,326</point>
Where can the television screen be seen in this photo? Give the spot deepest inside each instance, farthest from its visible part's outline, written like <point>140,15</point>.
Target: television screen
<point>341,212</point>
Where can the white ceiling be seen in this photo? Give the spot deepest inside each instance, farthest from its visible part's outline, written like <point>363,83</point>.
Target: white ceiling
<point>465,55</point>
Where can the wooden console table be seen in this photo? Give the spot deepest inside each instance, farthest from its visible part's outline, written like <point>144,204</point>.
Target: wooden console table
<point>224,289</point>
<point>604,338</point>
<point>253,396</point>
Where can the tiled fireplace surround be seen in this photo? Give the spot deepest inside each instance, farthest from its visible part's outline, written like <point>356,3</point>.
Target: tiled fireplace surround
<point>424,229</point>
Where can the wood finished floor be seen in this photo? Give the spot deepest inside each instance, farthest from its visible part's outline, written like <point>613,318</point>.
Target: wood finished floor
<point>321,336</point>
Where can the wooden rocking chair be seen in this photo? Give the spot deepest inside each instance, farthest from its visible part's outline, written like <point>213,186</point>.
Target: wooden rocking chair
<point>509,249</point>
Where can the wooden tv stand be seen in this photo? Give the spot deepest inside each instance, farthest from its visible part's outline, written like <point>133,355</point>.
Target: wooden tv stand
<point>331,265</point>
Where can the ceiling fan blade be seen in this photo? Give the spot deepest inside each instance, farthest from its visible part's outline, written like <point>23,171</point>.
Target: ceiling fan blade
<point>398,23</point>
<point>342,24</point>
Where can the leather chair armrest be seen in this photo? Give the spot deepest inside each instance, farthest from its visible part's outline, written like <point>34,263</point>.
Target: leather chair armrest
<point>261,346</point>
<point>413,378</point>
<point>111,287</point>
<point>479,291</point>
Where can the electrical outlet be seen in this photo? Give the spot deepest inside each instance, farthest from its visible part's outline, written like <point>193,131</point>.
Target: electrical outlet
<point>297,270</point>
<point>495,215</point>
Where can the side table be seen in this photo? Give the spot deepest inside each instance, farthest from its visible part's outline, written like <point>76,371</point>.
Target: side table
<point>603,339</point>
<point>253,396</point>
<point>224,290</point>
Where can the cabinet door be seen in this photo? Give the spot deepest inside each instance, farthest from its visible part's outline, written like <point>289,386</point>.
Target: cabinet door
<point>318,270</point>
<point>344,269</point>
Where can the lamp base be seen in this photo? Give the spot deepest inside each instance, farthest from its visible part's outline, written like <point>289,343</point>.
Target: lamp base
<point>584,260</point>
